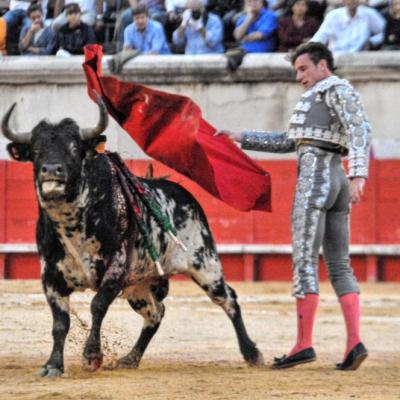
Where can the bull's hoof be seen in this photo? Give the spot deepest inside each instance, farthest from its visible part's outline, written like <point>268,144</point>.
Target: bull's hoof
<point>131,360</point>
<point>92,362</point>
<point>50,372</point>
<point>256,359</point>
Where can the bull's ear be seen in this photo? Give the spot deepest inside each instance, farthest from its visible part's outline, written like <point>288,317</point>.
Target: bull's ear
<point>19,151</point>
<point>95,146</point>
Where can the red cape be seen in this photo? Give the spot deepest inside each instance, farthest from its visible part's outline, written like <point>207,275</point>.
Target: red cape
<point>170,129</point>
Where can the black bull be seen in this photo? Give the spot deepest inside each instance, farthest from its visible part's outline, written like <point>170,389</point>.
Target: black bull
<point>87,237</point>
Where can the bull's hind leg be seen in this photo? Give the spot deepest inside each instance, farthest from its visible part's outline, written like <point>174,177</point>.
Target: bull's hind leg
<point>146,301</point>
<point>223,295</point>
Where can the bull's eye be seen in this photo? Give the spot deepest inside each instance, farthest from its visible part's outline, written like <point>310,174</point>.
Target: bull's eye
<point>74,150</point>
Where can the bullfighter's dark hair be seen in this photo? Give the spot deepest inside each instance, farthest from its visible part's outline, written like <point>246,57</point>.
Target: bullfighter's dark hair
<point>72,8</point>
<point>139,10</point>
<point>32,8</point>
<point>316,51</point>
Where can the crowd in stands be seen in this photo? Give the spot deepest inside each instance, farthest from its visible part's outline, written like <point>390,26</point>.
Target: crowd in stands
<point>64,27</point>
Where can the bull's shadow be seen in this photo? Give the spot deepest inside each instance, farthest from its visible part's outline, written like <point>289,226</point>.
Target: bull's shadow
<point>94,231</point>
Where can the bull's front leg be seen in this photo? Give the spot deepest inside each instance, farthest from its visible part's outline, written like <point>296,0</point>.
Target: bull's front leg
<point>61,322</point>
<point>110,287</point>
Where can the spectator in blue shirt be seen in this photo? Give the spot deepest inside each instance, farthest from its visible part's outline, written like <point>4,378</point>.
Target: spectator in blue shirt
<point>256,28</point>
<point>36,39</point>
<point>144,34</point>
<point>200,31</point>
<point>156,10</point>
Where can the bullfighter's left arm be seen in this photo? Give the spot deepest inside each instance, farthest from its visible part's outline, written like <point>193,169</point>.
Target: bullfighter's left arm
<point>347,105</point>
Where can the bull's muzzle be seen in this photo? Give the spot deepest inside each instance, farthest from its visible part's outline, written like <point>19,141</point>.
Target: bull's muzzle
<point>52,180</point>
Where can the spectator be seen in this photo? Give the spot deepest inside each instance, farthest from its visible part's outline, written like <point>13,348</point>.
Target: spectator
<point>72,37</point>
<point>200,31</point>
<point>175,9</point>
<point>3,36</point>
<point>36,39</point>
<point>229,11</point>
<point>317,9</point>
<point>392,32</point>
<point>256,28</point>
<point>296,28</point>
<point>155,8</point>
<point>16,17</point>
<point>351,28</point>
<point>90,9</point>
<point>144,34</point>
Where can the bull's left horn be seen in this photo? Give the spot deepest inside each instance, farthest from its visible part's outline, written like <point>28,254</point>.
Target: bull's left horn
<point>9,133</point>
<point>101,126</point>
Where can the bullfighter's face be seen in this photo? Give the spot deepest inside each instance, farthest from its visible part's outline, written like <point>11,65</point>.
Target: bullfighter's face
<point>308,73</point>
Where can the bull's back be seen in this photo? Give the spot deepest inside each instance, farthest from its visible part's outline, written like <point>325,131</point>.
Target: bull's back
<point>180,196</point>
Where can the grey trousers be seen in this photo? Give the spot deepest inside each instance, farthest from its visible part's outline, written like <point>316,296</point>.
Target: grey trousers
<point>320,216</point>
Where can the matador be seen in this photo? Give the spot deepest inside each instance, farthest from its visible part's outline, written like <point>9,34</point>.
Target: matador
<point>327,123</point>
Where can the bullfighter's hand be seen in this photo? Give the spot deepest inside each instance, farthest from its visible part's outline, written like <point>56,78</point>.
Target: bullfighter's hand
<point>356,189</point>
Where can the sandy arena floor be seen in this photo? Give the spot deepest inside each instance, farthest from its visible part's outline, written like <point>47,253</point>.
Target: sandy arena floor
<point>195,355</point>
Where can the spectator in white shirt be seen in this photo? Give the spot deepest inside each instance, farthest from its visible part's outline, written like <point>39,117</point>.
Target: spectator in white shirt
<point>351,28</point>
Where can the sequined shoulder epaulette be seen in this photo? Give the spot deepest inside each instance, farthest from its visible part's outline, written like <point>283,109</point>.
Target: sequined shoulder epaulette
<point>326,84</point>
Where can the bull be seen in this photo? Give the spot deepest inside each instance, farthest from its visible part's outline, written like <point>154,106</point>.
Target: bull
<point>87,237</point>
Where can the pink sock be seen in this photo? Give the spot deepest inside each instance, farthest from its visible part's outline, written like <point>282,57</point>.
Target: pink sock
<point>350,304</point>
<point>306,311</point>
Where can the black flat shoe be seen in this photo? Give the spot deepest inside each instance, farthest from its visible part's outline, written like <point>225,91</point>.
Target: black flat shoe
<point>354,358</point>
<point>302,357</point>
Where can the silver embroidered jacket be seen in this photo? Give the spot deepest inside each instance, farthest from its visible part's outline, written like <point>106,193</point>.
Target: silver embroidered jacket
<point>330,111</point>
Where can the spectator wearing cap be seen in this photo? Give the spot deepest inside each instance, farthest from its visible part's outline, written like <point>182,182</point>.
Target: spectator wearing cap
<point>144,34</point>
<point>201,32</point>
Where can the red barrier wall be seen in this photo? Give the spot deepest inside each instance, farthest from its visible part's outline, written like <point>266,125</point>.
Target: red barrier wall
<point>375,221</point>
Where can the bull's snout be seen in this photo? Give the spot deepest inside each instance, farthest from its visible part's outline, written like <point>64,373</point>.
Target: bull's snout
<point>52,181</point>
<point>52,171</point>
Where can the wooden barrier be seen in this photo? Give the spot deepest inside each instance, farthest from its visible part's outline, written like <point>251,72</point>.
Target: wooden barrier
<point>375,224</point>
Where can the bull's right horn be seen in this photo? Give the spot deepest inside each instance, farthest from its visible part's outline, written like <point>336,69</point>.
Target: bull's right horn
<point>9,133</point>
<point>101,126</point>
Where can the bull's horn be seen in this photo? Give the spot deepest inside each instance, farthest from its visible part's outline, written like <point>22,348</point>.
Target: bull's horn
<point>10,134</point>
<point>91,133</point>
